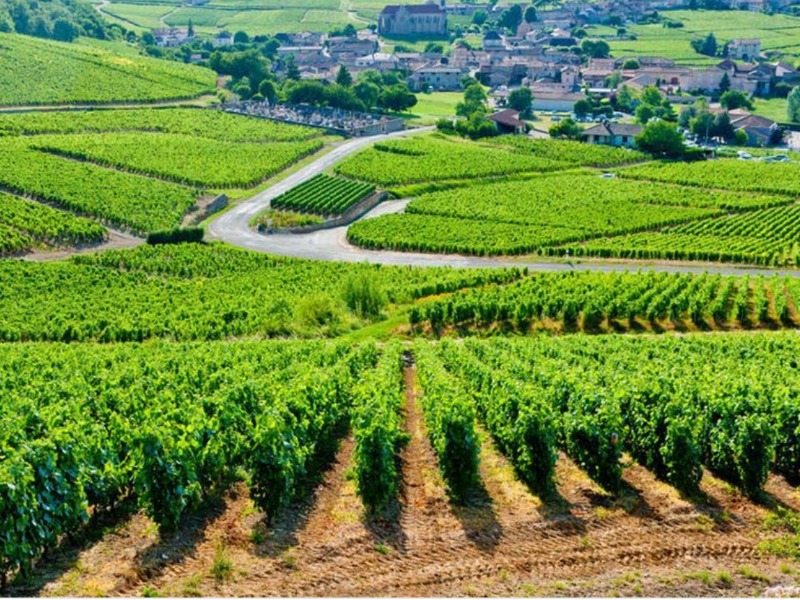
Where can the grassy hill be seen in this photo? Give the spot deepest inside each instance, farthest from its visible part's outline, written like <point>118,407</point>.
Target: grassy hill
<point>39,72</point>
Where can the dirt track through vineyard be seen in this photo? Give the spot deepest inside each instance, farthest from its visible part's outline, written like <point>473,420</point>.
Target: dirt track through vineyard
<point>505,541</point>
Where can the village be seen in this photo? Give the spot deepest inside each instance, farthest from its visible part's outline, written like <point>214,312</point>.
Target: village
<point>546,51</point>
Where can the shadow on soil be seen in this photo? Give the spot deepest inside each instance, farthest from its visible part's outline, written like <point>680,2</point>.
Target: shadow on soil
<point>478,518</point>
<point>280,534</point>
<point>59,561</point>
<point>175,548</point>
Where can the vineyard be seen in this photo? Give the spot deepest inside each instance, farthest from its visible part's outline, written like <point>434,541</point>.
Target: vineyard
<point>141,203</point>
<point>121,421</point>
<point>726,174</point>
<point>713,211</point>
<point>433,158</point>
<point>59,73</point>
<point>193,292</point>
<point>25,224</point>
<point>210,124</point>
<point>188,160</point>
<point>574,153</point>
<point>109,164</point>
<point>323,195</point>
<point>763,237</point>
<point>615,302</point>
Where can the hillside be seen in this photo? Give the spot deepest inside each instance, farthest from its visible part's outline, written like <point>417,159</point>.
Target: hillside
<point>41,72</point>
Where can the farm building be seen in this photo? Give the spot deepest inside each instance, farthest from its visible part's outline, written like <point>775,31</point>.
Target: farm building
<point>440,78</point>
<point>613,134</point>
<point>744,49</point>
<point>174,36</point>
<point>558,101</point>
<point>508,121</point>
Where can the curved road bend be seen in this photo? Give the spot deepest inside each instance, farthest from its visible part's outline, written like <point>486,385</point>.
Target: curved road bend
<point>234,228</point>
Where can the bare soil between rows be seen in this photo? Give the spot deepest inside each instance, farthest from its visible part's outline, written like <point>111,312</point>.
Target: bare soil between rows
<point>505,541</point>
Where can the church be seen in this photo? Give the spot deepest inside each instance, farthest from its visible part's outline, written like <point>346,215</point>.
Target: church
<point>428,19</point>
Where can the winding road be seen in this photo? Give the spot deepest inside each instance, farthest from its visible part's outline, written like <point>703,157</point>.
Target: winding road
<point>233,227</point>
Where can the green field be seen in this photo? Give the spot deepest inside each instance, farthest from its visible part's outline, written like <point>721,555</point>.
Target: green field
<point>142,15</point>
<point>615,302</point>
<point>57,73</point>
<point>142,169</point>
<point>323,195</point>
<point>434,106</point>
<point>484,200</point>
<point>192,292</point>
<point>772,108</point>
<point>25,224</point>
<point>780,33</point>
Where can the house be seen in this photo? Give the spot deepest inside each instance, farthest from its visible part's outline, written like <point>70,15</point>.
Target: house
<point>493,42</point>
<point>613,134</point>
<point>508,121</point>
<point>171,37</point>
<point>744,49</point>
<point>439,78</point>
<point>556,101</point>
<point>760,131</point>
<point>340,48</point>
<point>304,38</point>
<point>413,20</point>
<point>379,61</point>
<point>223,39</point>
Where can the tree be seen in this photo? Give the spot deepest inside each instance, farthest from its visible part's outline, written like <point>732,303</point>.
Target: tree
<point>661,138</point>
<point>242,88</point>
<point>397,98</point>
<point>724,84</point>
<point>511,17</point>
<point>624,98</point>
<point>247,63</point>
<point>530,14</point>
<point>631,64</point>
<point>566,129</point>
<point>475,93</point>
<point>339,96</point>
<point>268,90</point>
<point>241,37</point>
<point>582,107</point>
<point>367,92</point>
<point>709,47</point>
<point>595,48</point>
<point>479,17</point>
<point>434,48</point>
<point>793,105</point>
<point>307,92</point>
<point>65,30</point>
<point>652,96</point>
<point>190,29</point>
<point>520,100</point>
<point>475,101</point>
<point>292,72</point>
<point>613,80</point>
<point>343,77</point>
<point>703,125</point>
<point>644,113</point>
<point>733,99</point>
<point>723,128</point>
<point>349,30</point>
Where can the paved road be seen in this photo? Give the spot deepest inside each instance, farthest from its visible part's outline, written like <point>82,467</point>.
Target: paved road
<point>331,244</point>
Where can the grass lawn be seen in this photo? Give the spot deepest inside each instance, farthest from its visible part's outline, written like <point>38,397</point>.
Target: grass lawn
<point>772,108</point>
<point>777,33</point>
<point>432,107</point>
